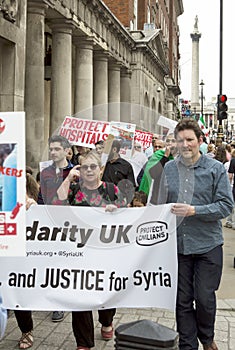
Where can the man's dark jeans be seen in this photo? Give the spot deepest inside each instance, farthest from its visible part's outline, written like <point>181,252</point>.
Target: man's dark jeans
<point>198,278</point>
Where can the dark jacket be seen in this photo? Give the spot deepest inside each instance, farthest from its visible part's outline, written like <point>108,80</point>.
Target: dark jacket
<point>50,181</point>
<point>118,172</point>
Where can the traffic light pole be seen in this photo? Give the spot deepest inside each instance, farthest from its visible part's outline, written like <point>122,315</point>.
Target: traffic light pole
<point>221,50</point>
<point>220,132</point>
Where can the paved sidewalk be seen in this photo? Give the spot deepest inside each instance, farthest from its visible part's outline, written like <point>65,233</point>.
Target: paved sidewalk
<point>59,336</point>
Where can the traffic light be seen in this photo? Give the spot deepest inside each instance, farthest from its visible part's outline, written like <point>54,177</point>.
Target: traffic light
<point>222,107</point>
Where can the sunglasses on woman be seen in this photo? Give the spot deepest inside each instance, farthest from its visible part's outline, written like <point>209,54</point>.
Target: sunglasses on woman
<point>86,167</point>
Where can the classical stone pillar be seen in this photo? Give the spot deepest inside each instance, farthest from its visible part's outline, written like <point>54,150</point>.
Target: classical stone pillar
<point>61,77</point>
<point>100,102</point>
<point>34,82</point>
<point>114,91</point>
<point>7,75</point>
<point>125,95</point>
<point>83,99</point>
<point>195,66</point>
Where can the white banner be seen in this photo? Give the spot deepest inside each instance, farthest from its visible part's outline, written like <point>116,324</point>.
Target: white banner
<point>124,133</point>
<point>82,258</point>
<point>12,184</point>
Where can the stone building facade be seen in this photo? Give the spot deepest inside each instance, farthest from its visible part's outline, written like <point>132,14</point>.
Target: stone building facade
<point>77,57</point>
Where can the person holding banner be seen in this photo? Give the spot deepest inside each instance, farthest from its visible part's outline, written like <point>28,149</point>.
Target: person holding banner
<point>52,176</point>
<point>24,317</point>
<point>50,180</point>
<point>199,189</point>
<point>90,191</point>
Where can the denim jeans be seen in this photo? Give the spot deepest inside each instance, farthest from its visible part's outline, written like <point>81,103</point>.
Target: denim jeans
<point>199,277</point>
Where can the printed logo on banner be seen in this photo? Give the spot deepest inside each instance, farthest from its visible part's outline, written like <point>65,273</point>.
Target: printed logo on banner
<point>7,228</point>
<point>152,232</point>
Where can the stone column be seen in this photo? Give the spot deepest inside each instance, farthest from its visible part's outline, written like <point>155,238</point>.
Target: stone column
<point>61,78</point>
<point>195,66</point>
<point>7,75</point>
<point>100,111</point>
<point>125,95</point>
<point>83,99</point>
<point>34,82</point>
<point>114,91</point>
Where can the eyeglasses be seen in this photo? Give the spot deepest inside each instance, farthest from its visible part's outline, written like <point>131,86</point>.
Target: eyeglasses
<point>86,167</point>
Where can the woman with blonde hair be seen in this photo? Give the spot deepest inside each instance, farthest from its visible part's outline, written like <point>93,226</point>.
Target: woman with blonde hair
<point>90,191</point>
<point>211,150</point>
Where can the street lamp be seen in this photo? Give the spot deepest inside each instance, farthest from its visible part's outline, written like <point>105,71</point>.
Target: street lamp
<point>202,84</point>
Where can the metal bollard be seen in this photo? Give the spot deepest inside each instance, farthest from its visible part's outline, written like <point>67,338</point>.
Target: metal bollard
<point>145,334</point>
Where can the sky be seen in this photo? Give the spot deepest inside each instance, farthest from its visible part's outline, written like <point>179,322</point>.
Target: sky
<point>209,26</point>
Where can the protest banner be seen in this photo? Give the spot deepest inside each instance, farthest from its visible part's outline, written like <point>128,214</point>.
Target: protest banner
<point>83,258</point>
<point>124,132</point>
<point>144,138</point>
<point>12,184</point>
<point>84,132</point>
<point>168,124</point>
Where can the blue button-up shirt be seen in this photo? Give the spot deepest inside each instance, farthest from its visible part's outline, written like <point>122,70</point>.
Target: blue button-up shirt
<point>205,186</point>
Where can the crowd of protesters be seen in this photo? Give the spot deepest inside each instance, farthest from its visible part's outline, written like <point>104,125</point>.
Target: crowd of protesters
<point>143,180</point>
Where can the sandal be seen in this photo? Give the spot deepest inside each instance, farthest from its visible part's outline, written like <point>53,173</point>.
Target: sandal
<point>26,340</point>
<point>107,335</point>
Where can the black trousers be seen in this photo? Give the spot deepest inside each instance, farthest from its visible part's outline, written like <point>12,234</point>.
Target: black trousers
<point>198,278</point>
<point>83,325</point>
<point>24,320</point>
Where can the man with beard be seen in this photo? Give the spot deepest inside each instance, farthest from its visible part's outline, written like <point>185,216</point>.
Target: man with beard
<point>154,167</point>
<point>119,171</point>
